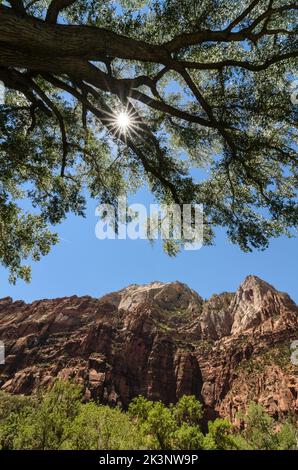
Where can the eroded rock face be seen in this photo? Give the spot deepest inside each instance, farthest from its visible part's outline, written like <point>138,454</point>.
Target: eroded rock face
<point>162,341</point>
<point>257,305</point>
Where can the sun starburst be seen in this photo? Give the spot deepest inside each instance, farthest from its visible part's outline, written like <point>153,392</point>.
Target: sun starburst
<point>123,121</point>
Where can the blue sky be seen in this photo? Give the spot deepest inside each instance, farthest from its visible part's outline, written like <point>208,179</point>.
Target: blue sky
<point>81,264</point>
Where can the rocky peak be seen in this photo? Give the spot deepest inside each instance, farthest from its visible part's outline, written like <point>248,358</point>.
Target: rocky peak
<point>166,296</point>
<point>257,304</point>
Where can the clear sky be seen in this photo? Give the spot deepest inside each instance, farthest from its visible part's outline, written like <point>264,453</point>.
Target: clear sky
<point>81,264</point>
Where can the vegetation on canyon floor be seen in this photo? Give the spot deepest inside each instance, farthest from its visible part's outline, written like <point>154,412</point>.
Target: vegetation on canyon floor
<point>60,419</point>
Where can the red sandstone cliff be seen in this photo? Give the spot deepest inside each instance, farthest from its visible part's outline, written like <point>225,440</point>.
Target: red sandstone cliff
<point>160,340</point>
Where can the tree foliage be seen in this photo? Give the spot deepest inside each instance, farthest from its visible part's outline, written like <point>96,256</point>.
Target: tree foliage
<point>206,85</point>
<point>58,419</point>
<point>262,433</point>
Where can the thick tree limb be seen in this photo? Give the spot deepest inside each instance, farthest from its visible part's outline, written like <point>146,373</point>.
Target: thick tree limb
<point>18,6</point>
<point>28,33</point>
<point>56,6</point>
<point>92,43</point>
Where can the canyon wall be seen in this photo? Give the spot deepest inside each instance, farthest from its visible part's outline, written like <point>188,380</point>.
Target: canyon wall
<point>161,340</point>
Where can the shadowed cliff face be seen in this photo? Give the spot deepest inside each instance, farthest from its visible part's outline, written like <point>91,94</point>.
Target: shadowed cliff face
<point>161,340</point>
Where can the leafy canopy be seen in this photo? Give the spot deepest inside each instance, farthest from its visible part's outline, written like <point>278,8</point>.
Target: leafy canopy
<point>206,85</point>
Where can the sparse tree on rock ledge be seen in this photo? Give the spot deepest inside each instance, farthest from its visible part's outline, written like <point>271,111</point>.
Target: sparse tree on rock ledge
<point>105,95</point>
